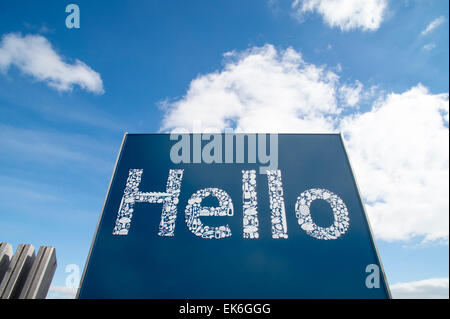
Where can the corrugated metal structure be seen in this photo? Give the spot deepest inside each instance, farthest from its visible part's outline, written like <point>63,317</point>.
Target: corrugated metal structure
<point>25,275</point>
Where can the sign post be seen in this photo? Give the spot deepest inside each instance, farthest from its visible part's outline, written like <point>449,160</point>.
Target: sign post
<point>233,216</point>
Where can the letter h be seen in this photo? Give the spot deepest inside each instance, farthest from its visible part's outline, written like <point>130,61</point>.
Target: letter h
<point>132,195</point>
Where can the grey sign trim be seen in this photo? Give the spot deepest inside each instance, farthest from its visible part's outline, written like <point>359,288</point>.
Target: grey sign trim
<point>372,238</point>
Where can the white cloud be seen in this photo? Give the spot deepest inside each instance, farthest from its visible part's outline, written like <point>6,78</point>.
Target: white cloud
<point>433,25</point>
<point>59,292</point>
<point>259,90</point>
<point>345,14</point>
<point>400,154</point>
<point>33,55</point>
<point>435,288</point>
<point>351,94</point>
<point>429,46</point>
<point>399,147</point>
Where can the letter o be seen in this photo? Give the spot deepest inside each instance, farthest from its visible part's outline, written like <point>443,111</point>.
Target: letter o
<point>340,213</point>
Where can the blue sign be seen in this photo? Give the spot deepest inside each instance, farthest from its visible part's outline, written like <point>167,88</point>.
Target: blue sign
<point>233,216</point>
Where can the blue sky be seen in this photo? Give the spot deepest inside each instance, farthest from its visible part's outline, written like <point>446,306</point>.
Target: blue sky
<point>146,65</point>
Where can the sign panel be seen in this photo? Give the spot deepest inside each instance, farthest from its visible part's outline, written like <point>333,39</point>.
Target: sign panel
<point>233,216</point>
